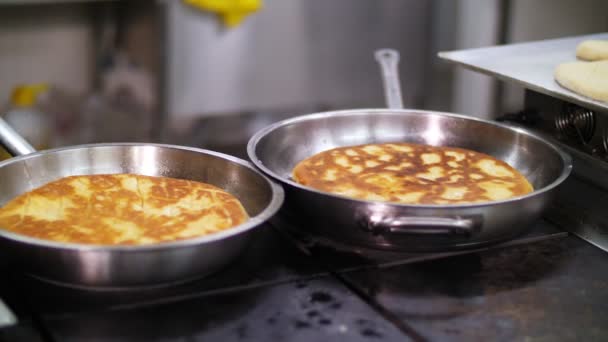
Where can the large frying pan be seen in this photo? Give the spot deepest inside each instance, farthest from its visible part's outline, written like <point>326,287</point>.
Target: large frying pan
<point>277,148</point>
<point>128,266</point>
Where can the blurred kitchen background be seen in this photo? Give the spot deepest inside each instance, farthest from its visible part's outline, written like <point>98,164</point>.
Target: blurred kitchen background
<point>176,72</point>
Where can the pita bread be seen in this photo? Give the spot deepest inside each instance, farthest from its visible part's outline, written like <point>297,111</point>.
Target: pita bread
<point>592,50</point>
<point>589,79</point>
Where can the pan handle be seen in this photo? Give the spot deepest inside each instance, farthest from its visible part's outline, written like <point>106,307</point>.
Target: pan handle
<point>465,226</point>
<point>7,318</point>
<point>12,141</point>
<point>388,60</point>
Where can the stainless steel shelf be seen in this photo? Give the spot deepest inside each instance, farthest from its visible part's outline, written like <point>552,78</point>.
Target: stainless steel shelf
<point>529,64</point>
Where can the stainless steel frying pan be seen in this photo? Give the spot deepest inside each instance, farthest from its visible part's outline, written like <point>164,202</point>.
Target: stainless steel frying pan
<point>127,266</point>
<point>277,148</point>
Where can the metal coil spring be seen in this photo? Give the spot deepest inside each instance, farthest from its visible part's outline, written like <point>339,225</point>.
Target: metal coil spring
<point>578,123</point>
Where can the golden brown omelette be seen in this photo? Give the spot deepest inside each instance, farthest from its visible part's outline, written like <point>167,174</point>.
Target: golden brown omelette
<point>121,209</point>
<point>411,174</point>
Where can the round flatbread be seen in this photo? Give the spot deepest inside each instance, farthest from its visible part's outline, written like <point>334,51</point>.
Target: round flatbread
<point>589,79</point>
<point>592,50</point>
<point>121,209</point>
<point>411,174</point>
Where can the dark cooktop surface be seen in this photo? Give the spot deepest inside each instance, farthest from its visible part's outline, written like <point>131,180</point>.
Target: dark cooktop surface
<point>545,285</point>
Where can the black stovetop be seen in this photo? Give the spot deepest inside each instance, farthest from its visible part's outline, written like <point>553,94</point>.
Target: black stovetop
<point>546,285</point>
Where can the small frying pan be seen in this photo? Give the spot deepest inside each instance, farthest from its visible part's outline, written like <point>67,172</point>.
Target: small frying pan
<point>129,266</point>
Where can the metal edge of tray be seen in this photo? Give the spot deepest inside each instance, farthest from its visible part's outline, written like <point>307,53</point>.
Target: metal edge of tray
<point>464,57</point>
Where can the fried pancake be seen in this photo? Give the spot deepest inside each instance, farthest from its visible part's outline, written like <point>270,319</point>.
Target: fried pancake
<point>411,174</point>
<point>121,209</point>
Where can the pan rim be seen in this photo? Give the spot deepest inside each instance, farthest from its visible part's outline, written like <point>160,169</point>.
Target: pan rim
<point>271,208</point>
<point>258,136</point>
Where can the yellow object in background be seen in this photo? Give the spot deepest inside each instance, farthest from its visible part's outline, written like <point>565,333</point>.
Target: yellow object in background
<point>232,12</point>
<point>25,95</point>
<point>3,154</point>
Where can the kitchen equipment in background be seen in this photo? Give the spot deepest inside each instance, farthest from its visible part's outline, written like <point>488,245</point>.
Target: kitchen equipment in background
<point>277,148</point>
<point>129,266</point>
<point>116,118</point>
<point>121,109</point>
<point>577,124</point>
<point>24,114</point>
<point>45,114</point>
<point>290,55</point>
<point>63,109</point>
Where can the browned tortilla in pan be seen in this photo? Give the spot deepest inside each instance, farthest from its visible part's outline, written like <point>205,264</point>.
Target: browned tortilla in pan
<point>122,209</point>
<point>411,174</point>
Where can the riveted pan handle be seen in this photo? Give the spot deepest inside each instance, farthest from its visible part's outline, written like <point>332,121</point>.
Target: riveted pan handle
<point>12,141</point>
<point>389,60</point>
<point>464,226</point>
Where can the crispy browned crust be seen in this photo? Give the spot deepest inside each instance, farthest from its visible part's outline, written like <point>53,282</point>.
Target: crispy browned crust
<point>411,173</point>
<point>121,209</point>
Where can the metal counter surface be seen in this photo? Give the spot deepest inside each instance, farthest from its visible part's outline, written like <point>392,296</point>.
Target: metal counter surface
<point>530,64</point>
